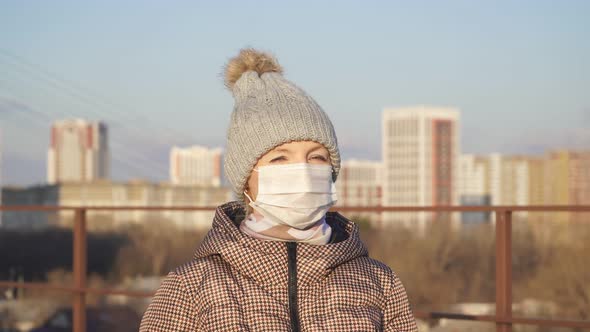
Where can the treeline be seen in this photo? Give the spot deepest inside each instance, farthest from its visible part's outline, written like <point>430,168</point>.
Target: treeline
<point>440,267</point>
<point>130,250</point>
<point>30,255</point>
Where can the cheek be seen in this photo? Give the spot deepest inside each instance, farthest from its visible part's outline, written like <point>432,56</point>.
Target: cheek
<point>253,185</point>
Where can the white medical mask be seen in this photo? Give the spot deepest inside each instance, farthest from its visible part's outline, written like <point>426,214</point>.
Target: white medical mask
<point>297,195</point>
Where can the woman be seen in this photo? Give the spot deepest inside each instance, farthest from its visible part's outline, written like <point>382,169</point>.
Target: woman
<point>276,259</point>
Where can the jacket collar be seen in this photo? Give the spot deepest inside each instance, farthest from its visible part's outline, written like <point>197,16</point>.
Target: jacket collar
<point>266,261</point>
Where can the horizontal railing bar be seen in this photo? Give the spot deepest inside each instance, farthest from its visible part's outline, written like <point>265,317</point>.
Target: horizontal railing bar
<point>513,320</point>
<point>36,285</point>
<point>451,315</point>
<point>70,289</point>
<point>109,208</point>
<point>449,208</point>
<point>457,208</point>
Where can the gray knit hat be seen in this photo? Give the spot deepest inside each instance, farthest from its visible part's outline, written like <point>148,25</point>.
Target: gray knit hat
<point>269,111</point>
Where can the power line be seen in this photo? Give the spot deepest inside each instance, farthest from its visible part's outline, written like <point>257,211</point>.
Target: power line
<point>79,94</point>
<point>121,145</point>
<point>34,116</point>
<point>77,91</point>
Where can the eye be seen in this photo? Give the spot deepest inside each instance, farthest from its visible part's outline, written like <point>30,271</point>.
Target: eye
<point>280,158</point>
<point>319,157</point>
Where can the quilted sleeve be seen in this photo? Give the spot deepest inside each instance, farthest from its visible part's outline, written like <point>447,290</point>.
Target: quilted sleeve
<point>398,315</point>
<point>171,309</point>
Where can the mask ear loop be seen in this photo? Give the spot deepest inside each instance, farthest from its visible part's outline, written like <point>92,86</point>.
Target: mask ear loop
<point>250,198</point>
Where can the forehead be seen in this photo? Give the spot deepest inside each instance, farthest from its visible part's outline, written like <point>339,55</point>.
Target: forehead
<point>299,146</point>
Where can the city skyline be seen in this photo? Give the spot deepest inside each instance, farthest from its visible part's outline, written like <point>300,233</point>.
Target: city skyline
<point>423,165</point>
<point>518,71</point>
<point>412,111</point>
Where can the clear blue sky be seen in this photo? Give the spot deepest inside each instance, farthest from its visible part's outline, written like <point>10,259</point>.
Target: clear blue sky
<point>518,70</point>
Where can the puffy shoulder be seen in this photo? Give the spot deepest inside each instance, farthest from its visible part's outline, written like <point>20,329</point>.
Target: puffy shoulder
<point>178,300</point>
<point>197,271</point>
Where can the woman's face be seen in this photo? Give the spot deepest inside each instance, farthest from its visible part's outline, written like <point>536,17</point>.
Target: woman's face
<point>289,153</point>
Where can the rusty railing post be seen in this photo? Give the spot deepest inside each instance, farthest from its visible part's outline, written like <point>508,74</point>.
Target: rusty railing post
<point>79,267</point>
<point>503,269</point>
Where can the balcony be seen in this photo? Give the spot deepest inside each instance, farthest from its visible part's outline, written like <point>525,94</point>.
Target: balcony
<point>503,318</point>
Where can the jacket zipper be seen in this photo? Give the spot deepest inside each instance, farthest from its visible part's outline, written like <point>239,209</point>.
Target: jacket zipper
<point>292,269</point>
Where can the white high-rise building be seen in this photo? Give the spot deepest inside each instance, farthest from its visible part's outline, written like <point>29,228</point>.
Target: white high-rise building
<point>474,186</point>
<point>196,165</point>
<point>79,151</point>
<point>421,160</point>
<point>473,175</point>
<point>515,181</point>
<point>497,179</point>
<point>511,179</point>
<point>360,183</point>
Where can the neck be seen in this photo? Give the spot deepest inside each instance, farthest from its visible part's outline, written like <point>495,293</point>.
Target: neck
<point>257,226</point>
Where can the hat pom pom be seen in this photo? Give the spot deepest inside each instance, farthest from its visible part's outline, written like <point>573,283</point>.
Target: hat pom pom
<point>249,59</point>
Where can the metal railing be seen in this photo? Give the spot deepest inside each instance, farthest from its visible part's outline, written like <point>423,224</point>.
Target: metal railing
<point>503,216</point>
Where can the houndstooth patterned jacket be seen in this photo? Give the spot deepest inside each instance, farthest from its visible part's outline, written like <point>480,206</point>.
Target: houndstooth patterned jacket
<point>239,283</point>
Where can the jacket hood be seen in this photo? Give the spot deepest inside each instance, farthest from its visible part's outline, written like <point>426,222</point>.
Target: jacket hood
<point>266,261</point>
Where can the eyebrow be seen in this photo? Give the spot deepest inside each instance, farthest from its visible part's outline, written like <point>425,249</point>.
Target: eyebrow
<point>284,150</point>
